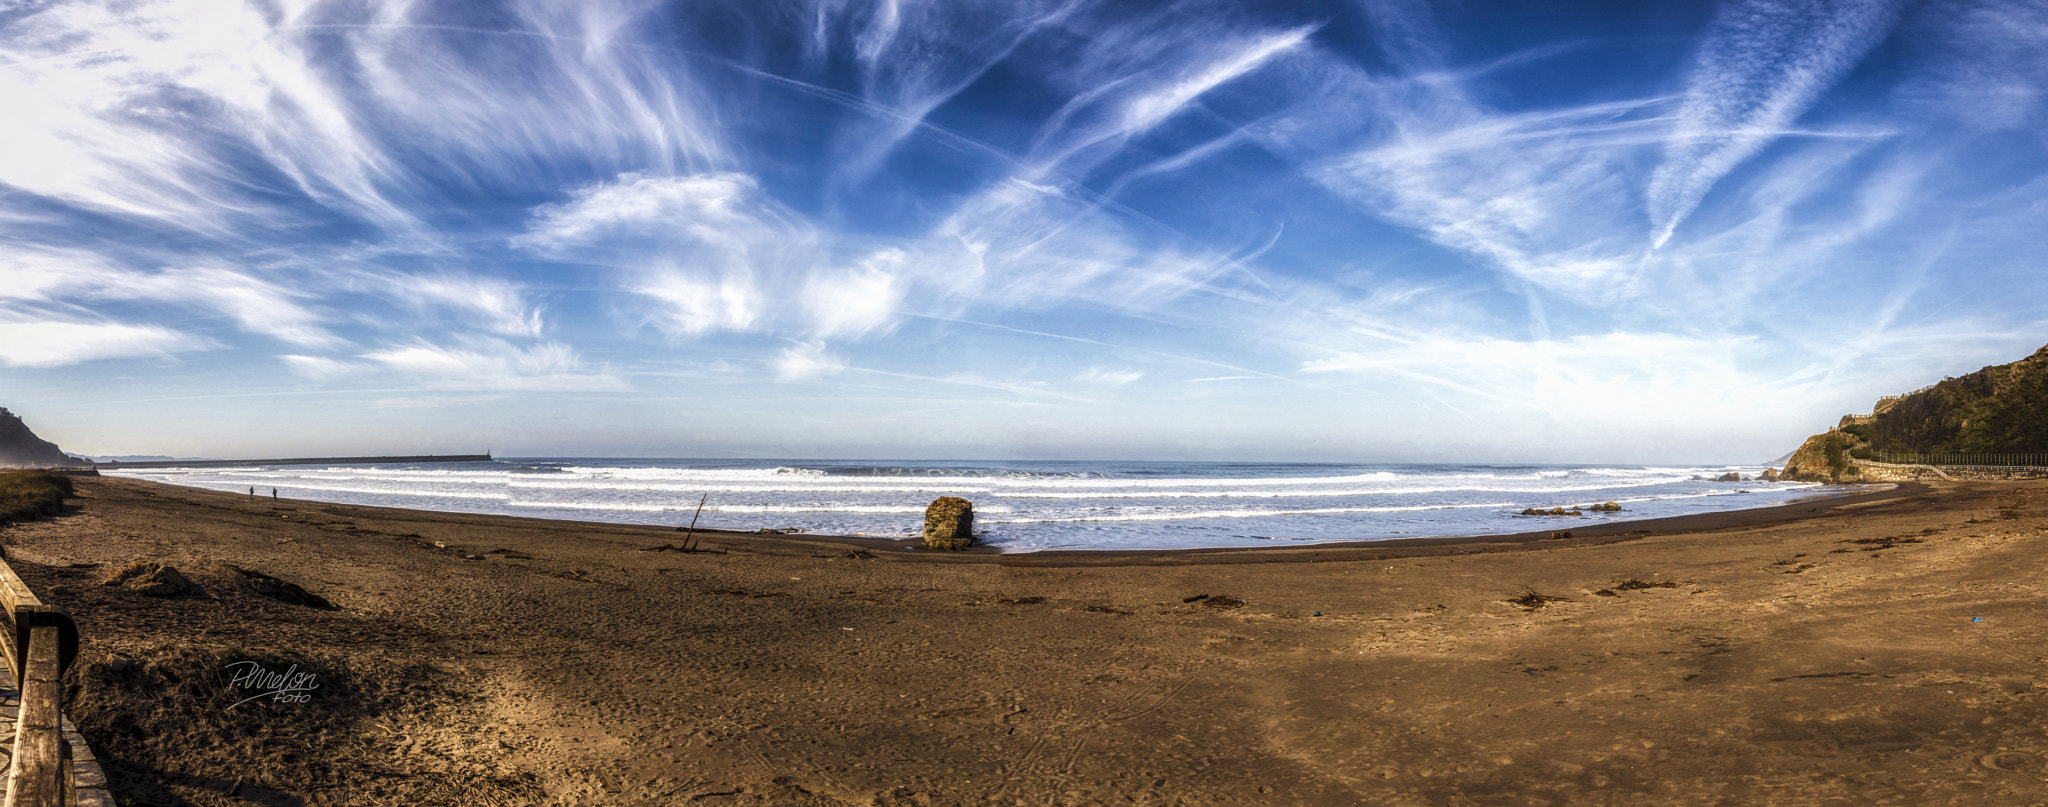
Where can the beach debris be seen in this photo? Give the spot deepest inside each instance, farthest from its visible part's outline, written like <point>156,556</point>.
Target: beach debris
<point>782,531</point>
<point>1105,609</point>
<point>1318,613</point>
<point>1196,598</point>
<point>1606,592</point>
<point>949,523</point>
<point>1879,544</point>
<point>1224,601</point>
<point>153,579</point>
<point>663,548</point>
<point>690,532</point>
<point>1531,599</point>
<point>1633,584</point>
<point>274,588</point>
<point>1561,535</point>
<point>1976,619</point>
<point>1026,601</point>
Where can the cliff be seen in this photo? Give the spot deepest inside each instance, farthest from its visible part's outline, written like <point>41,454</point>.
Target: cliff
<point>1822,458</point>
<point>2002,409</point>
<point>21,448</point>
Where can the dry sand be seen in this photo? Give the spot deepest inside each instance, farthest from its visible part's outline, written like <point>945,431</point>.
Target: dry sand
<point>1821,654</point>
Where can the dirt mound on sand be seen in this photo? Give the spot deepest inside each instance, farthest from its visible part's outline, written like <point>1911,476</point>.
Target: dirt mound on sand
<point>273,588</point>
<point>153,579</point>
<point>240,726</point>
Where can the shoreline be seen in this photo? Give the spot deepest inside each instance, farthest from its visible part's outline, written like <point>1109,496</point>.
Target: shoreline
<point>1604,532</point>
<point>1039,507</point>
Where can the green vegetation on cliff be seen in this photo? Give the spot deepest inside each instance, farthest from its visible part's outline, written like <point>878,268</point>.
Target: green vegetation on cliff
<point>1997,410</point>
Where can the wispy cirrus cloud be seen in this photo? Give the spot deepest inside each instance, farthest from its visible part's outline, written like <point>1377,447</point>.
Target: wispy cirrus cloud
<point>858,299</point>
<point>30,341</point>
<point>1106,376</point>
<point>1763,64</point>
<point>1136,88</point>
<point>495,304</point>
<point>807,361</point>
<point>487,364</point>
<point>81,278</point>
<point>139,110</point>
<point>706,208</point>
<point>255,305</point>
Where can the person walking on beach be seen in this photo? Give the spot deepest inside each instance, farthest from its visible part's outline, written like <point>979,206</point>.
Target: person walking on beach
<point>273,494</point>
<point>252,491</point>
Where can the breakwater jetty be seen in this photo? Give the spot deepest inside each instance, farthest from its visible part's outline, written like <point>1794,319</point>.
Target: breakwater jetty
<point>116,465</point>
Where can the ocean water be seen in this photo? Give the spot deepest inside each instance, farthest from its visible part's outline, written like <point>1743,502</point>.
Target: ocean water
<point>1025,506</point>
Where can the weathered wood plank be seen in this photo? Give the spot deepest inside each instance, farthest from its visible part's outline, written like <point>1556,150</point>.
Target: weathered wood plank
<point>36,777</point>
<point>14,597</point>
<point>14,592</point>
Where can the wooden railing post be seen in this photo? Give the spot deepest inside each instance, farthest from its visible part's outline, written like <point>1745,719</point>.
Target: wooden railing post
<point>42,645</point>
<point>37,776</point>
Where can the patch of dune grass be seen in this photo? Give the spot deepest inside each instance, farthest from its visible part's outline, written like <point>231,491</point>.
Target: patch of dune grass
<point>26,495</point>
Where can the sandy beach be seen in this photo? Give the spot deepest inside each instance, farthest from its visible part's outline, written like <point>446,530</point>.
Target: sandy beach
<point>1878,649</point>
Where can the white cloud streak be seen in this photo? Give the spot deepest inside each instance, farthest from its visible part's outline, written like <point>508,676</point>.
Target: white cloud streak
<point>1761,67</point>
<point>492,365</point>
<point>26,342</point>
<point>496,304</point>
<point>807,361</point>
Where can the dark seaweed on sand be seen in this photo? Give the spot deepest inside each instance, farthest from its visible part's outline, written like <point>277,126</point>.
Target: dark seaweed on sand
<point>1531,599</point>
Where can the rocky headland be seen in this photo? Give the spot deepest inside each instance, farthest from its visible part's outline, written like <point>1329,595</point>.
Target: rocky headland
<point>1996,415</point>
<point>21,448</point>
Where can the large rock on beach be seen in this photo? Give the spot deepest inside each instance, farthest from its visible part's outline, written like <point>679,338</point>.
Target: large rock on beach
<point>153,579</point>
<point>949,524</point>
<point>1769,475</point>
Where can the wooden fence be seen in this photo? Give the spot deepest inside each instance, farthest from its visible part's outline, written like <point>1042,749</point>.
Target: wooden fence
<point>42,645</point>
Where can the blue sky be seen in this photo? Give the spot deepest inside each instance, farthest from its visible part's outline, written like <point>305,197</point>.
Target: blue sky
<point>1371,231</point>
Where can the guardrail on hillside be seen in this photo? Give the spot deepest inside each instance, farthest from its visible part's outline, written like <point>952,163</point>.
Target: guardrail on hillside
<point>42,645</point>
<point>1965,460</point>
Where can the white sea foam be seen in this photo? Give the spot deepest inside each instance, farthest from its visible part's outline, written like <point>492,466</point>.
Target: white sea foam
<point>606,485</point>
<point>1322,492</point>
<point>689,473</point>
<point>1246,513</point>
<point>735,508</point>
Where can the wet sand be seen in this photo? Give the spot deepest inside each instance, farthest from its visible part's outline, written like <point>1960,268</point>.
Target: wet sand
<point>1818,653</point>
